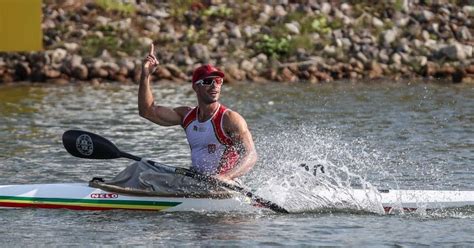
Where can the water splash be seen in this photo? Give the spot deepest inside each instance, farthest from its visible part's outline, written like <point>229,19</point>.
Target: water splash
<point>310,169</point>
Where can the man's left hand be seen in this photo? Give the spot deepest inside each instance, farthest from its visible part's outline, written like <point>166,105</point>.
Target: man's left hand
<point>225,179</point>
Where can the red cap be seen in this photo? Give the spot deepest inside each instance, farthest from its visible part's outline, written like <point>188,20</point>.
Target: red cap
<point>205,71</point>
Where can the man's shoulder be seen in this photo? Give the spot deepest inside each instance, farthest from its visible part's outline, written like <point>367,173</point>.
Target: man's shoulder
<point>232,118</point>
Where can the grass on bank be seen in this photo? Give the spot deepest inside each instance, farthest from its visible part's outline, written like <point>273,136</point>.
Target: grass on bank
<point>117,5</point>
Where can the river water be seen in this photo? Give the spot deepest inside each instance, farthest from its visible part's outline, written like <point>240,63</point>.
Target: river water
<point>407,135</point>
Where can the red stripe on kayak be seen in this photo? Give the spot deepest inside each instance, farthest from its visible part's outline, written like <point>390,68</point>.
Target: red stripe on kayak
<point>58,206</point>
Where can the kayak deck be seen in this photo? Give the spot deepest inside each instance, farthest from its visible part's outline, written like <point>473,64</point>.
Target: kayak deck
<point>79,196</point>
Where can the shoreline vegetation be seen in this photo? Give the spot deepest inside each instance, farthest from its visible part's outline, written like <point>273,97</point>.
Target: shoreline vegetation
<point>285,41</point>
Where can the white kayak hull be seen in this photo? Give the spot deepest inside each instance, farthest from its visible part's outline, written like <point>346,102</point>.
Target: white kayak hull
<point>79,196</point>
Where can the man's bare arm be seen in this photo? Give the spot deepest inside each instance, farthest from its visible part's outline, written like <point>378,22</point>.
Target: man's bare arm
<point>160,115</point>
<point>236,126</point>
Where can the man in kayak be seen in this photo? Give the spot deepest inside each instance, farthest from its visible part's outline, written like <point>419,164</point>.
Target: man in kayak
<point>221,143</point>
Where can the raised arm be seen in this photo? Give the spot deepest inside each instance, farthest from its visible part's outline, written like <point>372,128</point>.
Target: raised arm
<point>235,125</point>
<point>158,114</point>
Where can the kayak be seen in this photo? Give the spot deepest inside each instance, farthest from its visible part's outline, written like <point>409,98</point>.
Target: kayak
<point>80,196</point>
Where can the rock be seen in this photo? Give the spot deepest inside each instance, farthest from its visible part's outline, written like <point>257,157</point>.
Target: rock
<point>152,24</point>
<point>377,22</point>
<point>97,71</point>
<point>326,8</point>
<point>152,27</point>
<point>200,52</point>
<point>263,18</point>
<point>102,21</point>
<point>453,52</point>
<point>267,9</point>
<point>287,75</point>
<point>293,27</point>
<point>37,74</point>
<point>425,35</point>
<point>160,13</point>
<point>402,22</point>
<point>396,59</point>
<point>58,55</point>
<point>111,67</point>
<point>280,11</point>
<point>323,76</point>
<point>233,73</point>
<point>389,36</point>
<point>421,60</point>
<point>362,57</point>
<point>145,41</point>
<point>176,72</point>
<point>458,76</point>
<point>123,71</point>
<point>430,69</point>
<point>426,16</point>
<point>75,61</point>
<point>99,34</point>
<point>22,71</point>
<point>127,63</point>
<point>106,56</point>
<point>100,73</point>
<point>262,58</point>
<point>71,47</point>
<point>163,73</point>
<point>330,50</point>
<point>6,78</point>
<point>235,32</point>
<point>463,33</point>
<point>469,10</point>
<point>80,72</point>
<point>383,56</point>
<point>250,31</point>
<point>51,72</point>
<point>376,70</point>
<point>247,65</point>
<point>78,34</point>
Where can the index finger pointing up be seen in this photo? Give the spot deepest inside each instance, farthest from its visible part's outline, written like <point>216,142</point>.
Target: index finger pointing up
<point>152,49</point>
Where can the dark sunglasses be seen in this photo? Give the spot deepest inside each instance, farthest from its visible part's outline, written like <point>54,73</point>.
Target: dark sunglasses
<point>210,81</point>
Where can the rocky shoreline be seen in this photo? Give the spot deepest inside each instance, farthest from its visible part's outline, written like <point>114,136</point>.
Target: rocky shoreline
<point>318,41</point>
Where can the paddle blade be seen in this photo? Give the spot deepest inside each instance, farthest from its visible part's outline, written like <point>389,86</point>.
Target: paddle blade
<point>84,144</point>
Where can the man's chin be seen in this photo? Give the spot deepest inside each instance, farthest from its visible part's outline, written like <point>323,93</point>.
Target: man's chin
<point>211,100</point>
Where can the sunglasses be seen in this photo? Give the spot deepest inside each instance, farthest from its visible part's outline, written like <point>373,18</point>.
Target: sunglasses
<point>210,81</point>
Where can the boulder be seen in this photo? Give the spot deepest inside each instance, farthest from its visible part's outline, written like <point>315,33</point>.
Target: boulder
<point>293,27</point>
<point>200,52</point>
<point>453,52</point>
<point>80,72</point>
<point>22,71</point>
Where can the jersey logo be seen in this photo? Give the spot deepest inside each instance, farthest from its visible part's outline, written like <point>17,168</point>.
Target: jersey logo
<point>211,148</point>
<point>199,129</point>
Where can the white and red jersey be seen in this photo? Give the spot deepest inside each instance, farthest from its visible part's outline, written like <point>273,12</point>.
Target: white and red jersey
<point>212,150</point>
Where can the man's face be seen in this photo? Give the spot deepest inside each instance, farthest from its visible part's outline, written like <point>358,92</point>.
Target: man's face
<point>209,89</point>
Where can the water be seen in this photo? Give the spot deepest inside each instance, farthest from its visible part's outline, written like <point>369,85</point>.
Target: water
<point>398,135</point>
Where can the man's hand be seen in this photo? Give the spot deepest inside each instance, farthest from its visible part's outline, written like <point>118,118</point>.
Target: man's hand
<point>225,179</point>
<point>150,63</point>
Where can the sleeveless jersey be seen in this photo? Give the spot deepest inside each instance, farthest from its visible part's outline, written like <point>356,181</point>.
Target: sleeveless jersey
<point>212,150</point>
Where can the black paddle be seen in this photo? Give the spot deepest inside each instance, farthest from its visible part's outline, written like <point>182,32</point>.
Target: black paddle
<point>84,144</point>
